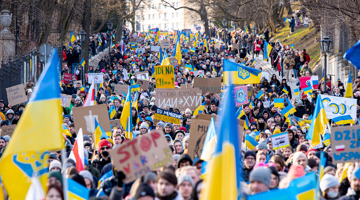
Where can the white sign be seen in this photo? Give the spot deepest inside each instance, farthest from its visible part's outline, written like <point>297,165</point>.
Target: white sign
<point>280,140</point>
<point>155,48</point>
<point>140,50</point>
<point>97,77</point>
<point>339,106</point>
<point>178,98</point>
<point>142,76</point>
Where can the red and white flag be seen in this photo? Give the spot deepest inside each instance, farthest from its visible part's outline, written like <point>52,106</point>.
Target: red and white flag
<point>90,98</point>
<point>339,147</point>
<point>35,191</point>
<point>77,152</point>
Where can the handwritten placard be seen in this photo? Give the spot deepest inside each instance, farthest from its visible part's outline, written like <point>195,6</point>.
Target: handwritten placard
<point>345,144</point>
<point>167,116</point>
<point>141,155</point>
<point>16,94</point>
<point>65,100</point>
<point>7,130</point>
<point>164,76</point>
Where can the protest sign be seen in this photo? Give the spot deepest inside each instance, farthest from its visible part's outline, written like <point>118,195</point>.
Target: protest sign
<point>280,140</point>
<point>241,95</point>
<point>167,116</point>
<point>165,44</point>
<point>212,85</point>
<point>16,94</point>
<point>142,76</point>
<point>345,144</point>
<point>67,78</point>
<point>164,76</point>
<point>115,123</point>
<point>217,45</point>
<point>306,81</point>
<point>235,46</point>
<point>143,84</point>
<point>339,106</point>
<point>141,155</point>
<point>190,44</point>
<point>173,61</point>
<point>178,98</point>
<point>119,89</point>
<point>65,100</point>
<point>140,50</point>
<point>97,77</point>
<point>7,130</point>
<point>84,118</point>
<point>155,48</point>
<point>77,82</point>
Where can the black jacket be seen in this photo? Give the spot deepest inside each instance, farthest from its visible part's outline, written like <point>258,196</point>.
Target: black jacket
<point>99,163</point>
<point>344,185</point>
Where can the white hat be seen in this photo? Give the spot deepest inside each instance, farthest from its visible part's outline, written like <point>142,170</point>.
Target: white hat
<point>188,110</point>
<point>55,163</point>
<point>144,125</point>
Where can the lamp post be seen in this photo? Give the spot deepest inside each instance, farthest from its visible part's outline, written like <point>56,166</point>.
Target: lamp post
<point>325,45</point>
<point>253,45</point>
<point>254,29</point>
<point>110,26</point>
<point>82,36</point>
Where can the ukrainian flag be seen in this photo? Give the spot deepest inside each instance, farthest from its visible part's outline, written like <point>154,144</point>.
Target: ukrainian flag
<point>177,51</point>
<point>286,19</point>
<point>240,74</point>
<point>189,67</point>
<point>326,139</point>
<point>66,130</point>
<point>292,110</point>
<point>251,105</point>
<point>343,120</point>
<point>250,142</point>
<point>287,110</point>
<point>157,37</point>
<point>70,46</point>
<point>76,191</point>
<point>134,87</point>
<point>349,90</point>
<point>99,133</point>
<point>126,117</point>
<point>321,166</point>
<point>193,49</point>
<point>72,37</point>
<point>200,109</point>
<point>285,91</point>
<point>82,63</point>
<point>38,131</point>
<point>165,60</point>
<point>259,94</point>
<point>318,124</point>
<point>223,174</point>
<point>239,113</point>
<point>292,46</point>
<point>160,55</point>
<point>112,112</point>
<point>254,62</point>
<point>247,123</point>
<point>206,45</point>
<point>267,50</point>
<point>135,101</point>
<point>352,55</point>
<point>279,102</point>
<point>297,91</point>
<point>308,90</point>
<point>210,142</point>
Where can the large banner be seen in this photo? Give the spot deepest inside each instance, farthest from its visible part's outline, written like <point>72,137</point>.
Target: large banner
<point>178,98</point>
<point>339,106</point>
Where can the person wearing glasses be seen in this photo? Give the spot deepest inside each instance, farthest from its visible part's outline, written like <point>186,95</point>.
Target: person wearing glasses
<point>103,156</point>
<point>249,162</point>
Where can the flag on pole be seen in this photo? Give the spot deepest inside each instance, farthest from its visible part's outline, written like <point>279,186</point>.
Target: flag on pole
<point>126,119</point>
<point>200,109</point>
<point>99,133</point>
<point>349,90</point>
<point>36,191</point>
<point>177,51</point>
<point>72,37</point>
<point>352,55</point>
<point>112,112</point>
<point>77,152</point>
<point>90,98</point>
<point>240,74</point>
<point>210,142</point>
<point>82,63</point>
<point>38,131</point>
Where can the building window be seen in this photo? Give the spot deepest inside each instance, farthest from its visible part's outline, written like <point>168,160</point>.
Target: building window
<point>166,26</point>
<point>159,16</point>
<point>153,16</point>
<point>159,5</point>
<point>172,25</point>
<point>149,16</point>
<point>177,14</point>
<point>172,15</point>
<point>165,16</point>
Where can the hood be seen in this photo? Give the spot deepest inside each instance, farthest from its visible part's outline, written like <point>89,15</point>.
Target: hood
<point>182,158</point>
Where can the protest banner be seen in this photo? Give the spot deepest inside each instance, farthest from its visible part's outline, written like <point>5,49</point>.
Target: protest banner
<point>211,85</point>
<point>173,61</point>
<point>143,84</point>
<point>178,98</point>
<point>97,77</point>
<point>155,48</point>
<point>164,76</point>
<point>305,81</point>
<point>16,94</point>
<point>115,123</point>
<point>241,95</point>
<point>280,140</point>
<point>339,106</point>
<point>165,44</point>
<point>141,155</point>
<point>84,118</point>
<point>119,89</point>
<point>7,130</point>
<point>345,144</point>
<point>65,100</point>
<point>167,116</point>
<point>142,76</point>
<point>67,78</point>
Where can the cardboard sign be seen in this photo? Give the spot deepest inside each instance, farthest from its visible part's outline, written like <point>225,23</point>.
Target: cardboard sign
<point>250,90</point>
<point>97,77</point>
<point>212,85</point>
<point>164,76</point>
<point>16,94</point>
<point>115,123</point>
<point>141,155</point>
<point>84,118</point>
<point>178,98</point>
<point>119,89</point>
<point>345,144</point>
<point>77,82</point>
<point>155,48</point>
<point>167,116</point>
<point>142,76</point>
<point>165,44</point>
<point>236,46</point>
<point>144,85</point>
<point>217,45</point>
<point>140,50</point>
<point>7,130</point>
<point>65,100</point>
<point>190,44</point>
<point>173,61</point>
<point>280,140</point>
<point>241,95</point>
<point>67,78</point>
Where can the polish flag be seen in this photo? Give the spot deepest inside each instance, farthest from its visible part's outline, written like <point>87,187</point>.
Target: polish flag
<point>340,148</point>
<point>35,191</point>
<point>77,152</point>
<point>90,98</point>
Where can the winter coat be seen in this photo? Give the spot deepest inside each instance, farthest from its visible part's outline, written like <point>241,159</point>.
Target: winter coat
<point>290,62</point>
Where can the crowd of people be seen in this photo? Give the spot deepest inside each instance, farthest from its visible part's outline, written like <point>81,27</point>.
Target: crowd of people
<point>264,169</point>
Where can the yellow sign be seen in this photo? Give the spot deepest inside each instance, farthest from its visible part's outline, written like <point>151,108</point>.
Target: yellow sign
<point>165,118</point>
<point>164,76</point>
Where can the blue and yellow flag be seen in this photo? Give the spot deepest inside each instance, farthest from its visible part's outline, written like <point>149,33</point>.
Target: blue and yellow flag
<point>206,45</point>
<point>38,131</point>
<point>199,109</point>
<point>161,57</point>
<point>239,113</point>
<point>99,133</point>
<point>297,91</point>
<point>112,112</point>
<point>349,90</point>
<point>223,177</point>
<point>352,55</point>
<point>177,51</point>
<point>72,37</point>
<point>308,90</point>
<point>342,120</point>
<point>210,142</point>
<point>76,191</point>
<point>279,102</point>
<point>66,130</point>
<point>82,63</point>
<point>318,124</point>
<point>240,74</point>
<point>267,50</point>
<point>259,94</point>
<point>326,139</point>
<point>126,116</point>
<point>285,90</point>
<point>246,123</point>
<point>250,142</point>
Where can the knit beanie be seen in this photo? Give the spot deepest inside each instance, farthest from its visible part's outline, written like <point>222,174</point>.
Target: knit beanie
<point>297,155</point>
<point>261,145</point>
<point>88,175</point>
<point>56,174</point>
<point>250,153</point>
<point>150,176</point>
<point>169,125</point>
<point>144,125</point>
<point>310,151</point>
<point>329,168</point>
<point>162,124</point>
<point>55,163</point>
<point>144,190</point>
<point>103,143</point>
<point>169,176</point>
<point>261,174</point>
<point>188,110</point>
<point>185,177</point>
<point>328,181</point>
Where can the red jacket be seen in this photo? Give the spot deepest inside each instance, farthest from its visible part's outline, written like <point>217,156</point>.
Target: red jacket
<point>257,45</point>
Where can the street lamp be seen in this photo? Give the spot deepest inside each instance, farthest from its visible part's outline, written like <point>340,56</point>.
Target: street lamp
<point>82,36</point>
<point>224,22</point>
<point>110,26</point>
<point>254,29</point>
<point>325,45</point>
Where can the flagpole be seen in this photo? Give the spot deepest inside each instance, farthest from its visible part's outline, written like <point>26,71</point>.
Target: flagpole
<point>65,184</point>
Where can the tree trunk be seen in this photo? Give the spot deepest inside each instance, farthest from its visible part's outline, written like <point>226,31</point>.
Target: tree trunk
<point>119,28</point>
<point>204,18</point>
<point>288,7</point>
<point>86,22</point>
